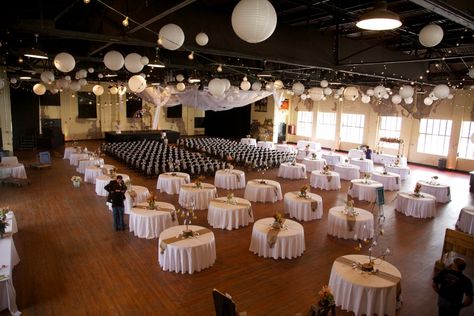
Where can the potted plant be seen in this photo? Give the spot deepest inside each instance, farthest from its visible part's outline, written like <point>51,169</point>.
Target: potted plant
<point>76,181</point>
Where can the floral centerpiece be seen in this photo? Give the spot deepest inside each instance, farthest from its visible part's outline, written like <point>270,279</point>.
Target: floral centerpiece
<point>326,298</point>
<point>279,219</point>
<point>262,168</point>
<point>230,198</point>
<point>366,178</point>
<point>306,149</point>
<point>384,172</point>
<point>397,162</point>
<point>76,181</point>
<point>151,200</point>
<point>293,163</point>
<point>416,191</point>
<point>349,207</point>
<point>374,251</point>
<point>198,182</point>
<point>325,170</point>
<point>188,215</point>
<point>3,220</point>
<point>314,156</point>
<point>346,161</point>
<point>303,191</point>
<point>112,172</point>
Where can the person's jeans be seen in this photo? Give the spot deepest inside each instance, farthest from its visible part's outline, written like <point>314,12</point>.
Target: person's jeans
<point>447,308</point>
<point>118,217</point>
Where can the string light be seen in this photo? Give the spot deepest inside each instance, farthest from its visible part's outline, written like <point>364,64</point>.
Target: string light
<point>191,56</point>
<point>87,1</point>
<point>125,22</point>
<point>219,68</point>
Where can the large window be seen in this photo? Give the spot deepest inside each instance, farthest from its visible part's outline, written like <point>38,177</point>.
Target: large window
<point>352,128</point>
<point>434,136</point>
<point>304,124</point>
<point>466,147</point>
<point>326,126</point>
<point>390,127</point>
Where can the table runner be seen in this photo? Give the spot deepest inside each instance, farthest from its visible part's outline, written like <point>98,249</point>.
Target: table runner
<point>165,242</point>
<point>351,220</point>
<point>157,208</point>
<point>273,234</point>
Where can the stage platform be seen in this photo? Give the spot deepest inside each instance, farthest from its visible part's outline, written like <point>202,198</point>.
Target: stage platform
<point>127,136</point>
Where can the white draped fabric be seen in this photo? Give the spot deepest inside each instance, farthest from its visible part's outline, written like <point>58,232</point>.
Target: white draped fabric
<point>248,141</point>
<point>171,182</point>
<point>189,193</point>
<point>91,173</point>
<point>363,191</point>
<point>313,164</point>
<point>332,159</point>
<point>465,221</point>
<point>13,170</point>
<point>390,181</point>
<point>102,181</point>
<point>402,171</point>
<point>229,179</point>
<point>347,172</point>
<point>229,216</point>
<point>142,194</point>
<point>355,153</point>
<point>263,191</point>
<point>149,224</point>
<point>330,181</point>
<point>442,192</point>
<point>301,208</point>
<point>386,159</point>
<point>338,226</point>
<point>365,165</point>
<point>420,207</point>
<point>289,171</point>
<point>83,163</point>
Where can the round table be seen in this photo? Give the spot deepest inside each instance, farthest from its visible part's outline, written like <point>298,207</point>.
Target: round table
<point>420,207</point>
<point>402,171</point>
<point>303,208</point>
<point>229,179</point>
<point>91,173</point>
<point>189,193</point>
<point>102,181</point>
<point>68,151</point>
<point>347,172</point>
<point>363,191</point>
<point>171,182</point>
<point>16,170</point>
<point>465,221</point>
<point>290,171</point>
<point>366,165</point>
<point>313,164</point>
<point>332,159</point>
<point>186,255</point>
<point>441,192</point>
<point>145,223</point>
<point>329,181</point>
<point>287,243</point>
<point>355,153</point>
<point>359,227</point>
<point>305,153</point>
<point>391,181</point>
<point>224,215</point>
<point>141,195</point>
<point>83,163</point>
<point>248,141</point>
<point>263,190</point>
<point>364,293</point>
<point>265,144</point>
<point>285,148</point>
<point>75,157</point>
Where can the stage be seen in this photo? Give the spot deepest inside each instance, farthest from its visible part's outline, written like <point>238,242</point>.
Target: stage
<point>127,136</point>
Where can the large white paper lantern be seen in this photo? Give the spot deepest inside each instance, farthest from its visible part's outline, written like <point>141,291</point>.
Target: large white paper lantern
<point>324,83</point>
<point>180,86</point>
<point>47,77</point>
<point>75,86</point>
<point>113,90</point>
<point>64,62</point>
<point>351,93</point>
<point>179,78</point>
<point>379,91</point>
<point>82,82</point>
<point>202,39</point>
<point>428,101</point>
<point>256,86</point>
<point>39,89</point>
<point>431,35</point>
<point>90,70</point>
<point>171,36</point>
<point>216,87</point>
<point>144,60</point>
<point>269,86</point>
<point>298,88</point>
<point>370,92</point>
<point>133,63</point>
<point>245,85</point>
<point>254,20</point>
<point>137,83</point>
<point>12,80</point>
<point>396,99</point>
<point>82,73</point>
<point>226,84</point>
<point>406,91</point>
<point>98,90</point>
<point>278,84</point>
<point>327,91</point>
<point>365,99</point>
<point>441,91</point>
<point>408,100</point>
<point>316,94</point>
<point>113,60</point>
<point>450,96</point>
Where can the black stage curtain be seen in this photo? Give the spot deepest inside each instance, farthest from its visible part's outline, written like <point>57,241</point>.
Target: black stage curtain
<point>233,123</point>
<point>25,115</point>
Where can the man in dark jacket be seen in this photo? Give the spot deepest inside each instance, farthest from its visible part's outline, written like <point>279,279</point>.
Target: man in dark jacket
<point>117,189</point>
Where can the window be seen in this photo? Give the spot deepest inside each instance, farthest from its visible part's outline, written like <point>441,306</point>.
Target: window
<point>466,147</point>
<point>86,103</point>
<point>434,136</point>
<point>352,128</point>
<point>390,127</point>
<point>304,125</point>
<point>326,126</point>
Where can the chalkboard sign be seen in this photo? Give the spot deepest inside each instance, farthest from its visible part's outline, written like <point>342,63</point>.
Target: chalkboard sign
<point>380,196</point>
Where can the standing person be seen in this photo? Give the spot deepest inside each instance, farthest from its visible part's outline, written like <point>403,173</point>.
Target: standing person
<point>117,189</point>
<point>454,289</point>
<point>368,153</point>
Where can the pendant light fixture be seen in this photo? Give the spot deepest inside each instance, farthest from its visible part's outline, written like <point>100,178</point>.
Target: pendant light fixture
<point>379,19</point>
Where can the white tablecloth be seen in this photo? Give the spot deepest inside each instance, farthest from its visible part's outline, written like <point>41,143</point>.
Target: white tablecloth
<point>150,223</point>
<point>187,255</point>
<point>441,192</point>
<point>386,159</point>
<point>285,148</point>
<point>75,157</point>
<point>171,182</point>
<point>402,171</point>
<point>188,193</point>
<point>364,191</point>
<point>248,141</point>
<point>364,293</point>
<point>338,225</point>
<point>12,170</point>
<point>390,181</point>
<point>347,172</point>
<point>313,164</point>
<point>91,173</point>
<point>142,194</point>
<point>366,165</point>
<point>68,151</point>
<point>229,216</point>
<point>102,181</point>
<point>303,153</point>
<point>288,171</point>
<point>9,160</point>
<point>332,159</point>
<point>420,207</point>
<point>270,191</point>
<point>355,153</point>
<point>301,144</point>
<point>325,182</point>
<point>465,221</point>
<point>265,144</point>
<point>302,208</point>
<point>83,163</point>
<point>289,242</point>
<point>229,179</point>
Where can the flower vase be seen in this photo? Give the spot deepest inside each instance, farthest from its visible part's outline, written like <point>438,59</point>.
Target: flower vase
<point>368,266</point>
<point>76,184</point>
<point>276,225</point>
<point>187,233</point>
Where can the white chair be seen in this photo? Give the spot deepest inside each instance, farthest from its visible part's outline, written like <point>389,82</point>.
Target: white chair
<point>10,160</point>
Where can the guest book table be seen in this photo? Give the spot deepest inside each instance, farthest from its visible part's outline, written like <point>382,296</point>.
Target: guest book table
<point>332,159</point>
<point>465,221</point>
<point>263,190</point>
<point>265,144</point>
<point>420,207</point>
<point>402,171</point>
<point>325,181</point>
<point>190,194</point>
<point>83,163</point>
<point>186,255</point>
<point>364,293</point>
<point>171,182</point>
<point>347,172</point>
<point>355,153</point>
<point>102,181</point>
<point>386,159</point>
<point>366,165</point>
<point>16,170</point>
<point>248,141</point>
<point>229,216</point>
<point>229,179</point>
<point>286,243</point>
<point>303,208</point>
<point>146,223</point>
<point>364,190</point>
<point>390,181</point>
<point>75,157</point>
<point>313,164</point>
<point>91,173</point>
<point>441,192</point>
<point>290,171</point>
<point>343,226</point>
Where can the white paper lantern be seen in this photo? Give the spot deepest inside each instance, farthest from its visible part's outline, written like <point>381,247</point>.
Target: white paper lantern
<point>379,91</point>
<point>179,78</point>
<point>82,82</point>
<point>68,78</point>
<point>298,88</point>
<point>75,86</point>
<point>450,96</point>
<point>365,99</point>
<point>340,91</point>
<point>327,91</point>
<point>351,93</point>
<point>53,90</point>
<point>278,84</point>
<point>38,89</point>
<point>133,63</point>
<point>137,83</point>
<point>180,86</point>
<point>406,91</point>
<point>47,77</point>
<point>408,100</point>
<point>12,80</point>
<point>396,99</point>
<point>64,62</point>
<point>386,96</point>
<point>303,97</point>
<point>90,70</point>
<point>216,87</point>
<point>202,39</point>
<point>143,75</point>
<point>62,83</point>
<point>431,35</point>
<point>226,84</point>
<point>256,86</point>
<point>100,76</point>
<point>113,60</point>
<point>254,20</point>
<point>370,92</point>
<point>316,94</point>
<point>144,60</point>
<point>171,36</point>
<point>324,83</point>
<point>441,91</point>
<point>82,73</point>
<point>113,90</point>
<point>269,86</point>
<point>428,101</point>
<point>471,73</point>
<point>245,85</point>
<point>98,90</point>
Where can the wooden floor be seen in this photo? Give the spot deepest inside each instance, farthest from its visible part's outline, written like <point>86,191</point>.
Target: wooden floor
<point>74,263</point>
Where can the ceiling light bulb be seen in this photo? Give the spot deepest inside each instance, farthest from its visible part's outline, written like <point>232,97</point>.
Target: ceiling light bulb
<point>125,22</point>
<point>191,56</point>
<point>245,78</point>
<point>20,60</point>
<point>379,18</point>
<point>219,68</point>
<point>160,41</point>
<point>87,1</point>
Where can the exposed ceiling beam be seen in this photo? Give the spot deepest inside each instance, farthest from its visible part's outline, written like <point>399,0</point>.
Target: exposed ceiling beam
<point>406,61</point>
<point>449,12</point>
